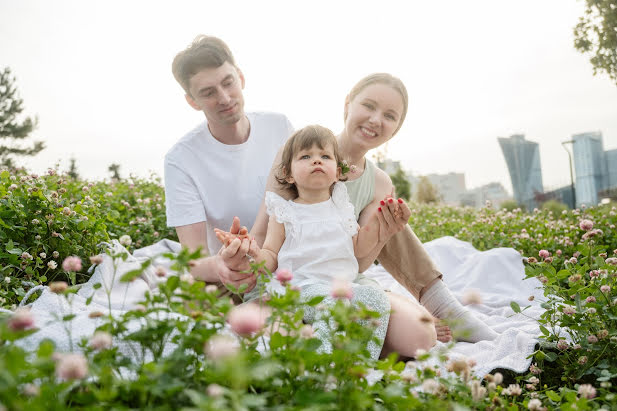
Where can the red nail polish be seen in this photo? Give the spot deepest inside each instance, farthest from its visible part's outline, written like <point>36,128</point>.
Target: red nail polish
<point>380,207</point>
<point>400,201</point>
<point>390,200</point>
<point>382,202</point>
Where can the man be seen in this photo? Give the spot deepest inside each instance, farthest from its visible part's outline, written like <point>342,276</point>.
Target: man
<point>219,169</point>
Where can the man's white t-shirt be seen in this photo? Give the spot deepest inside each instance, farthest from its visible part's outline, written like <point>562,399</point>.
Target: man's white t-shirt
<point>206,180</point>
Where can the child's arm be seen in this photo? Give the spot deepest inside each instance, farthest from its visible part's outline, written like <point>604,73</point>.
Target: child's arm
<point>367,238</point>
<point>275,236</point>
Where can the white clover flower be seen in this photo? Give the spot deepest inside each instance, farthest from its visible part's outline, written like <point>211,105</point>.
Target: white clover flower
<point>125,240</point>
<point>52,265</point>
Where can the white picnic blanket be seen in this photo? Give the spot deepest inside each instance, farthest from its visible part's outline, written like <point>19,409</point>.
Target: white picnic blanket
<point>498,275</point>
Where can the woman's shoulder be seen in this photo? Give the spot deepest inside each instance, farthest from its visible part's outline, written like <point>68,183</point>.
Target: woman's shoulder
<point>383,184</point>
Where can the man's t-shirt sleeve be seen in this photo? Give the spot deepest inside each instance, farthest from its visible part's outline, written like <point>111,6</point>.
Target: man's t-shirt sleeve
<point>182,200</point>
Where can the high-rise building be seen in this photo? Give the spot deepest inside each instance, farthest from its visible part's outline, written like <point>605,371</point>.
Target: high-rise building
<point>523,160</point>
<point>611,168</point>
<point>590,165</point>
<point>477,197</point>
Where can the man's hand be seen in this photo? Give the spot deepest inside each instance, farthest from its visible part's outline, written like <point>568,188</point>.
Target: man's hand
<point>235,265</point>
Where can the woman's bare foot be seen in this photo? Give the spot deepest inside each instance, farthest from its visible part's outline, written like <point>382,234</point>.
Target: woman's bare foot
<point>444,334</point>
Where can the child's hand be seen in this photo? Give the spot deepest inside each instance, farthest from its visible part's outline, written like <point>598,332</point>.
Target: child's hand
<point>226,237</point>
<point>235,231</point>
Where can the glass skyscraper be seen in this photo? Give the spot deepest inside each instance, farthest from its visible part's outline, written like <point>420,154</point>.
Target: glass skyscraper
<point>590,165</point>
<point>523,160</point>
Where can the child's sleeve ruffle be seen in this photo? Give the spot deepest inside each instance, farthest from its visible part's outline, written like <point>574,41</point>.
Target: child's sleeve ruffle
<point>341,200</point>
<point>281,209</point>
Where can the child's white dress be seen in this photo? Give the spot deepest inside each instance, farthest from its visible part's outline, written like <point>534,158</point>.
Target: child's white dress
<point>318,249</point>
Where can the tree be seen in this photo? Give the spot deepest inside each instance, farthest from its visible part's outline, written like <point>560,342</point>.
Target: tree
<point>114,169</point>
<point>402,186</point>
<point>426,192</point>
<point>11,128</point>
<point>596,33</point>
<point>73,169</point>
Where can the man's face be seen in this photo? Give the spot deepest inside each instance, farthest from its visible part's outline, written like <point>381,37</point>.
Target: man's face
<point>218,93</point>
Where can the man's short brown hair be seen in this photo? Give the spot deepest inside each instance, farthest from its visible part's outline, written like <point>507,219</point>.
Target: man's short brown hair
<point>203,53</point>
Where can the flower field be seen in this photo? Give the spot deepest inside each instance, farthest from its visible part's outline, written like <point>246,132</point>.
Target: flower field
<point>50,230</point>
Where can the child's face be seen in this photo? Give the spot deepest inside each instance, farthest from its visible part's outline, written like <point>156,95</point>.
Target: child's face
<point>314,168</point>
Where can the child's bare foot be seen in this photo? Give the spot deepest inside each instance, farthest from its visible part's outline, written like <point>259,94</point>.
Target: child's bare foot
<point>444,334</point>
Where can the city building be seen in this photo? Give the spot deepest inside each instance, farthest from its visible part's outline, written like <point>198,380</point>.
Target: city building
<point>477,197</point>
<point>590,167</point>
<point>523,161</point>
<point>389,166</point>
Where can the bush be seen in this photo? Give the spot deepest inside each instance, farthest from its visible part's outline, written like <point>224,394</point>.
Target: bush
<point>573,253</point>
<point>554,206</point>
<point>44,219</point>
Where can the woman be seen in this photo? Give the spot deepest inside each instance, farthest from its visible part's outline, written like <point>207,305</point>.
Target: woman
<point>374,112</point>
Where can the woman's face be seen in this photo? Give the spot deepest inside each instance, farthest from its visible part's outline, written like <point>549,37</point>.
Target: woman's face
<point>373,115</point>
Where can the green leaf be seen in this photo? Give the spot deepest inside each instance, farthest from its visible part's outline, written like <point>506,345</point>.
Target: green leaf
<point>172,283</point>
<point>96,286</point>
<point>544,330</point>
<point>551,356</point>
<point>131,275</point>
<point>68,317</point>
<point>515,307</point>
<point>315,300</point>
<point>46,349</point>
<point>553,396</point>
<point>43,278</point>
<point>276,341</point>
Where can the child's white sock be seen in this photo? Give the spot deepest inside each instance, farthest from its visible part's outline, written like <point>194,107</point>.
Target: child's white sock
<point>440,302</point>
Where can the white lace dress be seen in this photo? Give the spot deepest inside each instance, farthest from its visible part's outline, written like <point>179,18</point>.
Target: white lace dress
<point>318,249</point>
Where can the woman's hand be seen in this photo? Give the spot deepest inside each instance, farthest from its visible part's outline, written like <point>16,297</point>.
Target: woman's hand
<point>393,215</point>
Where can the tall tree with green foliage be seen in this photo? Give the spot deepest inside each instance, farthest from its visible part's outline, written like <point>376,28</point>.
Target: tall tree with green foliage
<point>73,173</point>
<point>596,33</point>
<point>426,191</point>
<point>12,128</point>
<point>114,169</point>
<point>402,186</point>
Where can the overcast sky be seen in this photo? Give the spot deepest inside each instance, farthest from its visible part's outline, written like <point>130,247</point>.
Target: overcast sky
<point>98,75</point>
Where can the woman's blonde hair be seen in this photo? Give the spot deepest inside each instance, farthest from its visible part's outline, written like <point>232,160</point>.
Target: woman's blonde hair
<point>303,139</point>
<point>387,79</point>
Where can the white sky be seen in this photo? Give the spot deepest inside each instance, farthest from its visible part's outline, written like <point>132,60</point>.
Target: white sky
<point>98,75</point>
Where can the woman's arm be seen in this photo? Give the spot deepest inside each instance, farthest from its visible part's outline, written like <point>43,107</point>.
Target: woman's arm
<point>390,221</point>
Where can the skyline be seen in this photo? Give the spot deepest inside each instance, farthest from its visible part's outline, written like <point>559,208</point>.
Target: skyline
<point>475,72</point>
